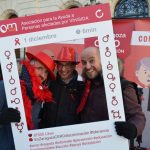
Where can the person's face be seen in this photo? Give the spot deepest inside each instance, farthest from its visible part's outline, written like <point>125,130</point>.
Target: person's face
<point>143,76</point>
<point>41,71</point>
<point>65,70</point>
<point>91,62</point>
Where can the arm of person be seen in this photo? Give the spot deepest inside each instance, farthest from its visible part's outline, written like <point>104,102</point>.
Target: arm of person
<point>7,115</point>
<point>133,110</point>
<point>2,99</point>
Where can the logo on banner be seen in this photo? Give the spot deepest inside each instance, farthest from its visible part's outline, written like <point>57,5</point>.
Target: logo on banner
<point>99,14</point>
<point>12,27</point>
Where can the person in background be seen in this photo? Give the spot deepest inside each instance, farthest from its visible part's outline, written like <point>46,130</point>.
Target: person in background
<point>120,66</point>
<point>67,91</point>
<point>93,106</point>
<point>143,76</point>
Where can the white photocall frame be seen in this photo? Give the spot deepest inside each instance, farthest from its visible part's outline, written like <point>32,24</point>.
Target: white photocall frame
<point>16,33</point>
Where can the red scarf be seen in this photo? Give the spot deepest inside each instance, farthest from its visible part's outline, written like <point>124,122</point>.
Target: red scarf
<point>41,94</point>
<point>84,97</point>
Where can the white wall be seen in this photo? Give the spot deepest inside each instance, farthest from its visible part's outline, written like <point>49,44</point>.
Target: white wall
<point>30,7</point>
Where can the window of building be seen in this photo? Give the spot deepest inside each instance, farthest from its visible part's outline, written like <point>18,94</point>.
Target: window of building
<point>70,4</point>
<point>131,9</point>
<point>12,16</point>
<point>73,6</point>
<point>92,2</point>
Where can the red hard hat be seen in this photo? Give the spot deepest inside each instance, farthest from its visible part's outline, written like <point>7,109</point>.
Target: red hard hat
<point>67,54</point>
<point>45,60</point>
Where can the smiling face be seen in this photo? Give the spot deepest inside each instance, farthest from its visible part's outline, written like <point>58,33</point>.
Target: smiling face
<point>90,59</point>
<point>65,70</point>
<point>143,71</point>
<point>143,75</point>
<point>40,70</point>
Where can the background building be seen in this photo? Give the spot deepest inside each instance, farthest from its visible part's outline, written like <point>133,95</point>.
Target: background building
<point>119,8</point>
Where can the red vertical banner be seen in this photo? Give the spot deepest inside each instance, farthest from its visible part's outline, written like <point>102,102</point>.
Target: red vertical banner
<point>122,34</point>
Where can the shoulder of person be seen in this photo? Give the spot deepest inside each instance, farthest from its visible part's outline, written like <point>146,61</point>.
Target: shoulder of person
<point>1,85</point>
<point>126,83</point>
<point>2,95</point>
<point>51,83</point>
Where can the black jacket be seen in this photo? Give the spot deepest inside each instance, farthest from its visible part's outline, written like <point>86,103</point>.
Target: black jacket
<point>96,106</point>
<point>62,111</point>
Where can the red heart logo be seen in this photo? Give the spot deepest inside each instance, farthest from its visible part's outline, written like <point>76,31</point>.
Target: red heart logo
<point>30,139</point>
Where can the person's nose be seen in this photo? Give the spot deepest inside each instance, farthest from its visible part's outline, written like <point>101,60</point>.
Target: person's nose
<point>63,68</point>
<point>43,75</point>
<point>88,65</point>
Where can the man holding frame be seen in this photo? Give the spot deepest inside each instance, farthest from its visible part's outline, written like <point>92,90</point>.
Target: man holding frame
<point>93,105</point>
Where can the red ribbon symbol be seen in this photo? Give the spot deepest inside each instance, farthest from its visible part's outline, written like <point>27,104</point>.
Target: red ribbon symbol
<point>17,41</point>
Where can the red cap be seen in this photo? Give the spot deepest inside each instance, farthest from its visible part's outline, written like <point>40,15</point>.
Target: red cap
<point>45,60</point>
<point>68,54</point>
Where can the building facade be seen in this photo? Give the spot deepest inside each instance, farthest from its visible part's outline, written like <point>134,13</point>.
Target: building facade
<point>119,8</point>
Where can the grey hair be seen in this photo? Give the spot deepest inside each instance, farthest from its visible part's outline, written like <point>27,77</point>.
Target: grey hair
<point>121,66</point>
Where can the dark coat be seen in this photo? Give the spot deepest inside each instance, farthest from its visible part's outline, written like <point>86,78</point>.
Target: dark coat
<point>6,137</point>
<point>133,110</point>
<point>96,107</point>
<point>62,111</point>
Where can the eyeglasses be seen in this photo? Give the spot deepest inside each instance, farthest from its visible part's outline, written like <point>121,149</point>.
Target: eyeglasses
<point>66,66</point>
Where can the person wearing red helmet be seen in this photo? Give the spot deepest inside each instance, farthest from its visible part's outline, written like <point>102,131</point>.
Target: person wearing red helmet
<point>67,91</point>
<point>34,76</point>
